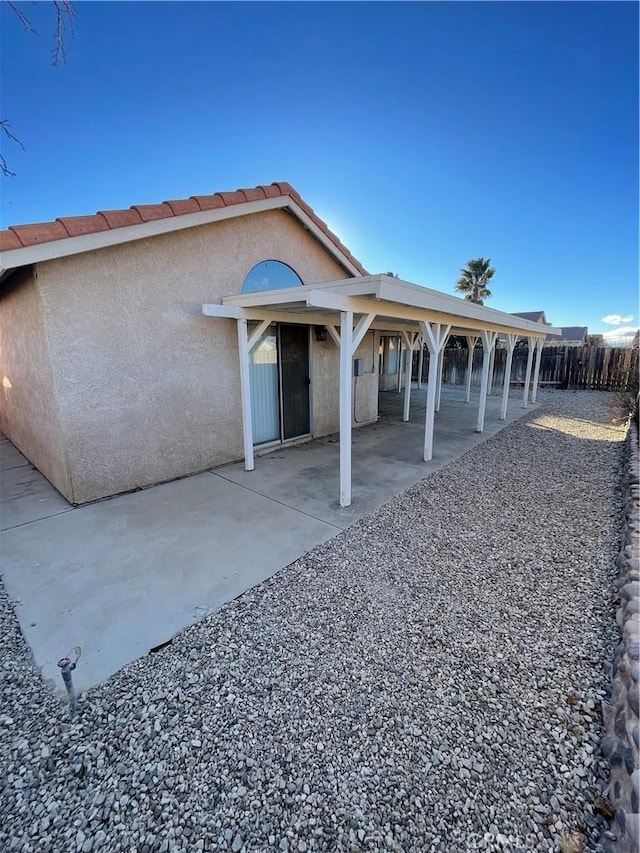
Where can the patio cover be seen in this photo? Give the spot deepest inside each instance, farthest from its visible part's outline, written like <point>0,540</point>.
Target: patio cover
<point>348,308</point>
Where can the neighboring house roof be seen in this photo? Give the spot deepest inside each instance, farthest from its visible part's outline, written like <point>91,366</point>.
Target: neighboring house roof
<point>572,333</point>
<point>72,234</point>
<point>534,316</point>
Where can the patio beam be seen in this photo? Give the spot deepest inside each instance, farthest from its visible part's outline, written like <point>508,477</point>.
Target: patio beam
<point>361,330</point>
<point>435,336</point>
<point>329,317</point>
<point>308,318</point>
<point>331,301</point>
<point>258,333</point>
<point>511,343</point>
<point>488,343</point>
<point>333,334</point>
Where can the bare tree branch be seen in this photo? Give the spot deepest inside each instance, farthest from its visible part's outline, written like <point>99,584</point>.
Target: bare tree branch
<point>65,16</point>
<point>20,15</point>
<point>4,169</point>
<point>6,129</point>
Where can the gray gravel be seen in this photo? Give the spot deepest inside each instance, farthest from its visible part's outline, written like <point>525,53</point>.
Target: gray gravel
<point>430,679</point>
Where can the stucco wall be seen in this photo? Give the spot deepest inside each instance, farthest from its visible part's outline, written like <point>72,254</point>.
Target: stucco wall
<point>326,386</point>
<point>389,382</point>
<point>148,387</point>
<point>28,411</point>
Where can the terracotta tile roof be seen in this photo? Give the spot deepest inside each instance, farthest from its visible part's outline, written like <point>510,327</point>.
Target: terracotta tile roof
<point>21,236</point>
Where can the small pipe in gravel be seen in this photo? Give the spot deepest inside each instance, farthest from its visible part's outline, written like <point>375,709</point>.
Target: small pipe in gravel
<point>67,666</point>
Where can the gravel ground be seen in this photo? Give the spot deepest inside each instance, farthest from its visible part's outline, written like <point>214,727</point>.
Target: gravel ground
<point>428,680</point>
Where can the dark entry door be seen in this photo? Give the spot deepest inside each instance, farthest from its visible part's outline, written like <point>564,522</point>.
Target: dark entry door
<point>294,366</point>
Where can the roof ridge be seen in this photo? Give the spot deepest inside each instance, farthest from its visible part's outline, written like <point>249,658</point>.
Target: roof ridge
<point>22,236</point>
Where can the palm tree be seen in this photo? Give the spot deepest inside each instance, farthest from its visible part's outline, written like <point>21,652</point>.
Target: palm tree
<point>474,279</point>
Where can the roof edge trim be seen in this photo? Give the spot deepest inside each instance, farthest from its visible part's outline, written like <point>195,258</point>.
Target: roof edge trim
<point>54,249</point>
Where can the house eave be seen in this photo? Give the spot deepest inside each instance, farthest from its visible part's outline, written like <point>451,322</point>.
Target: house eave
<point>54,249</point>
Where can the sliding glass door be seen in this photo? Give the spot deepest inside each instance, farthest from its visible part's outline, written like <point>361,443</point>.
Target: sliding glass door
<point>280,382</point>
<point>265,398</point>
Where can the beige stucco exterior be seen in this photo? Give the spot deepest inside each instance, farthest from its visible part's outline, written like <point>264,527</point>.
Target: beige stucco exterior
<point>132,385</point>
<point>326,390</point>
<point>29,414</point>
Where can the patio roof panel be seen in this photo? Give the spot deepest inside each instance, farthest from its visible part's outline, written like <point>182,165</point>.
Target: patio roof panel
<point>390,299</point>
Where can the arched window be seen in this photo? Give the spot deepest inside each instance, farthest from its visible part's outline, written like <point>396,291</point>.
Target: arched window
<point>270,275</point>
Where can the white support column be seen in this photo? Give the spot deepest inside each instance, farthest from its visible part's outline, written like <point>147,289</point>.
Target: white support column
<point>491,365</point>
<point>409,341</point>
<point>245,394</point>
<point>400,366</point>
<point>472,340</point>
<point>527,376</point>
<point>536,369</point>
<point>440,369</point>
<point>420,363</point>
<point>511,343</point>
<point>346,382</point>
<point>488,343</point>
<point>407,384</point>
<point>435,336</point>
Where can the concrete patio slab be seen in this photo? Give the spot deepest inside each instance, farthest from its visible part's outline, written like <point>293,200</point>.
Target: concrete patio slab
<point>25,495</point>
<point>123,575</point>
<point>10,456</point>
<point>387,457</point>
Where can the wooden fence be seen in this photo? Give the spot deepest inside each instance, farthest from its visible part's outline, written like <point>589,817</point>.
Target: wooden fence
<point>587,367</point>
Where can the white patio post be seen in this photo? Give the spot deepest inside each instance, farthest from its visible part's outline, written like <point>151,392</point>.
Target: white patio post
<point>245,394</point>
<point>440,369</point>
<point>492,362</point>
<point>488,343</point>
<point>472,340</point>
<point>527,376</point>
<point>346,381</point>
<point>409,341</point>
<point>435,336</point>
<point>400,366</point>
<point>420,364</point>
<point>511,343</point>
<point>536,369</point>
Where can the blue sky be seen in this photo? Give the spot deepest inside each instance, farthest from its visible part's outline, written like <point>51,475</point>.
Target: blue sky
<point>425,134</point>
